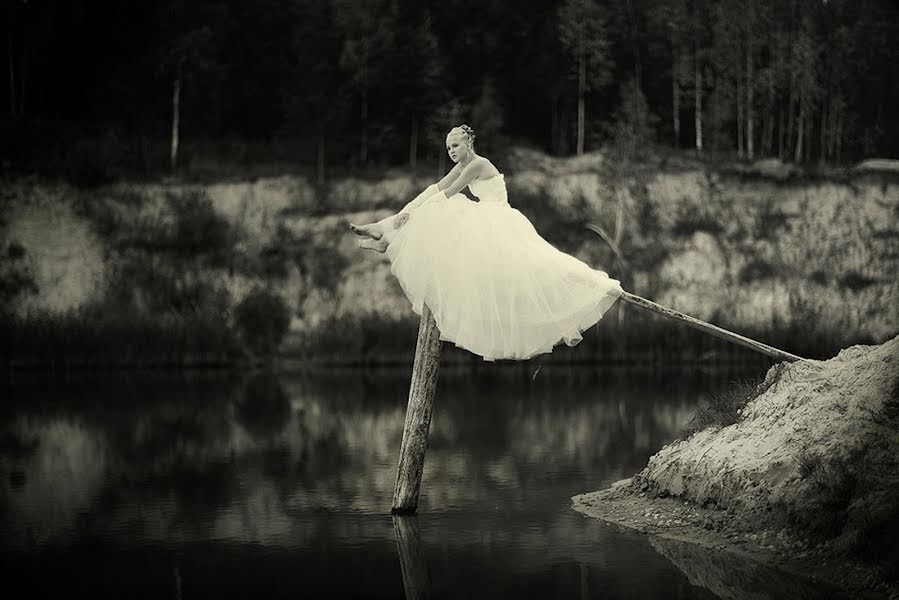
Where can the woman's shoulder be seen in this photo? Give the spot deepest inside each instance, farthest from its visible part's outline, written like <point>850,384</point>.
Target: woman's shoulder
<point>486,169</point>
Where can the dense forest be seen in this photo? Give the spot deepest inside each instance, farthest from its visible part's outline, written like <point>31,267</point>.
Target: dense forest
<point>144,85</point>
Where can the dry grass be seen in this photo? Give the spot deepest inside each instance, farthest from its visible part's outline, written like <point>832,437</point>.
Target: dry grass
<point>723,408</point>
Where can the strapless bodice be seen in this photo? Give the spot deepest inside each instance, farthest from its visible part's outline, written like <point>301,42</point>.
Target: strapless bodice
<point>492,190</point>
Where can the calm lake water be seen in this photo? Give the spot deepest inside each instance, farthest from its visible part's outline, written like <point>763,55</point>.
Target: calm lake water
<point>280,486</point>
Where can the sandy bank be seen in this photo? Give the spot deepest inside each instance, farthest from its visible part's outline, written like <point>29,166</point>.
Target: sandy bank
<point>806,480</point>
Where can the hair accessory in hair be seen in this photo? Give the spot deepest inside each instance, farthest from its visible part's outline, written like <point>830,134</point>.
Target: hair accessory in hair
<point>468,131</point>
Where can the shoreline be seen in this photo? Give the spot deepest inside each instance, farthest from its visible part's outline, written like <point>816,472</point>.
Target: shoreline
<point>716,530</point>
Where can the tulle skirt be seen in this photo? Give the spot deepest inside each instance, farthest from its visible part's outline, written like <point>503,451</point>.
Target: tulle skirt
<point>494,286</point>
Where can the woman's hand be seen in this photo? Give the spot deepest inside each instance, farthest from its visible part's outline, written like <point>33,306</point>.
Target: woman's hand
<point>400,220</point>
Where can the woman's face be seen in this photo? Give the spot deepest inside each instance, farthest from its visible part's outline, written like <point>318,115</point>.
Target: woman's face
<point>457,146</point>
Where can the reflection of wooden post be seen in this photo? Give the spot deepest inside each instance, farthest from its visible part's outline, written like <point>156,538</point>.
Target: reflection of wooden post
<point>412,558</point>
<point>178,594</point>
<point>718,332</point>
<point>418,416</point>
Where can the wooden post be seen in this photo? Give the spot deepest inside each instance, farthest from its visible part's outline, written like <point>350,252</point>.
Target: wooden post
<point>718,332</point>
<point>412,563</point>
<point>418,416</point>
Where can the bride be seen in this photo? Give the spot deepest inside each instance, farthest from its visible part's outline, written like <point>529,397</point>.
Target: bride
<point>494,286</point>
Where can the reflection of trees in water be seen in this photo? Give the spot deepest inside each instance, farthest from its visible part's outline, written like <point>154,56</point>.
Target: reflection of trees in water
<point>105,443</point>
<point>60,468</point>
<point>273,448</point>
<point>584,557</point>
<point>488,434</point>
<point>263,409</point>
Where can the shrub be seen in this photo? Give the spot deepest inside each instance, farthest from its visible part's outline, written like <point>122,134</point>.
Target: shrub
<point>106,337</point>
<point>756,270</point>
<point>723,408</point>
<point>690,219</point>
<point>199,230</point>
<point>263,319</point>
<point>770,221</point>
<point>819,276</point>
<point>158,287</point>
<point>15,277</point>
<point>855,281</point>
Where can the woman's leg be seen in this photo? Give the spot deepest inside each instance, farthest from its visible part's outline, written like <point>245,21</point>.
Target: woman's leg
<point>372,230</point>
<point>376,245</point>
<point>376,230</point>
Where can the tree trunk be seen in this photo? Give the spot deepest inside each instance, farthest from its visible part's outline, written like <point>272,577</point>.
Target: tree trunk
<point>638,76</point>
<point>581,90</point>
<point>768,144</point>
<point>791,110</point>
<point>781,133</point>
<point>675,91</point>
<point>363,136</point>
<point>12,76</point>
<point>413,142</point>
<point>829,130</point>
<point>363,116</point>
<point>839,135</point>
<point>553,126</point>
<point>834,117</point>
<point>750,85</point>
<point>808,134</point>
<point>320,162</point>
<point>791,96</point>
<point>23,79</point>
<point>698,99</point>
<point>797,157</point>
<point>176,118</point>
<point>739,95</point>
<point>822,155</point>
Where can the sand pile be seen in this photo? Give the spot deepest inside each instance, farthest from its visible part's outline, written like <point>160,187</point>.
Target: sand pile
<point>816,449</point>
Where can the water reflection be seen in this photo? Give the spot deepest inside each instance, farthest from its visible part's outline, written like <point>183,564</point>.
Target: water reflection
<point>210,484</point>
<point>416,582</point>
<point>728,576</point>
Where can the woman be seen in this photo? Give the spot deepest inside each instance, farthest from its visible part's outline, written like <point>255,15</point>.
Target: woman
<point>494,286</point>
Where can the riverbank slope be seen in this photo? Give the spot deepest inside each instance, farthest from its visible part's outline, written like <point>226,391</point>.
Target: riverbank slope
<point>804,262</point>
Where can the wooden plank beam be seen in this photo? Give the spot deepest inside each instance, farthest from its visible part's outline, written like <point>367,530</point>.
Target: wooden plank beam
<point>714,330</point>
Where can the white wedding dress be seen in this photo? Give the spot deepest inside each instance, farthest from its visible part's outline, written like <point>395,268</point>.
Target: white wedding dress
<point>494,286</point>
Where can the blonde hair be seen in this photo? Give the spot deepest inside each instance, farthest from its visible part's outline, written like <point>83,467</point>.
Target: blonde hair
<point>465,130</point>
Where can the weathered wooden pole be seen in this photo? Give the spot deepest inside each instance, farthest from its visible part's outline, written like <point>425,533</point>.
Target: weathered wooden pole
<point>412,561</point>
<point>718,332</point>
<point>418,416</point>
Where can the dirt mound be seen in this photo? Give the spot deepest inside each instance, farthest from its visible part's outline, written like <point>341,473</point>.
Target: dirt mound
<point>816,449</point>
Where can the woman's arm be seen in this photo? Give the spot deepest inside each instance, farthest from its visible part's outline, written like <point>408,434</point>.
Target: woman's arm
<point>433,189</point>
<point>473,171</point>
<point>458,178</point>
<point>450,177</point>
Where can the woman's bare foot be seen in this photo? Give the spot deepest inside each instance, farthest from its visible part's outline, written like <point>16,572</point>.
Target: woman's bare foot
<point>372,231</point>
<point>376,245</point>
